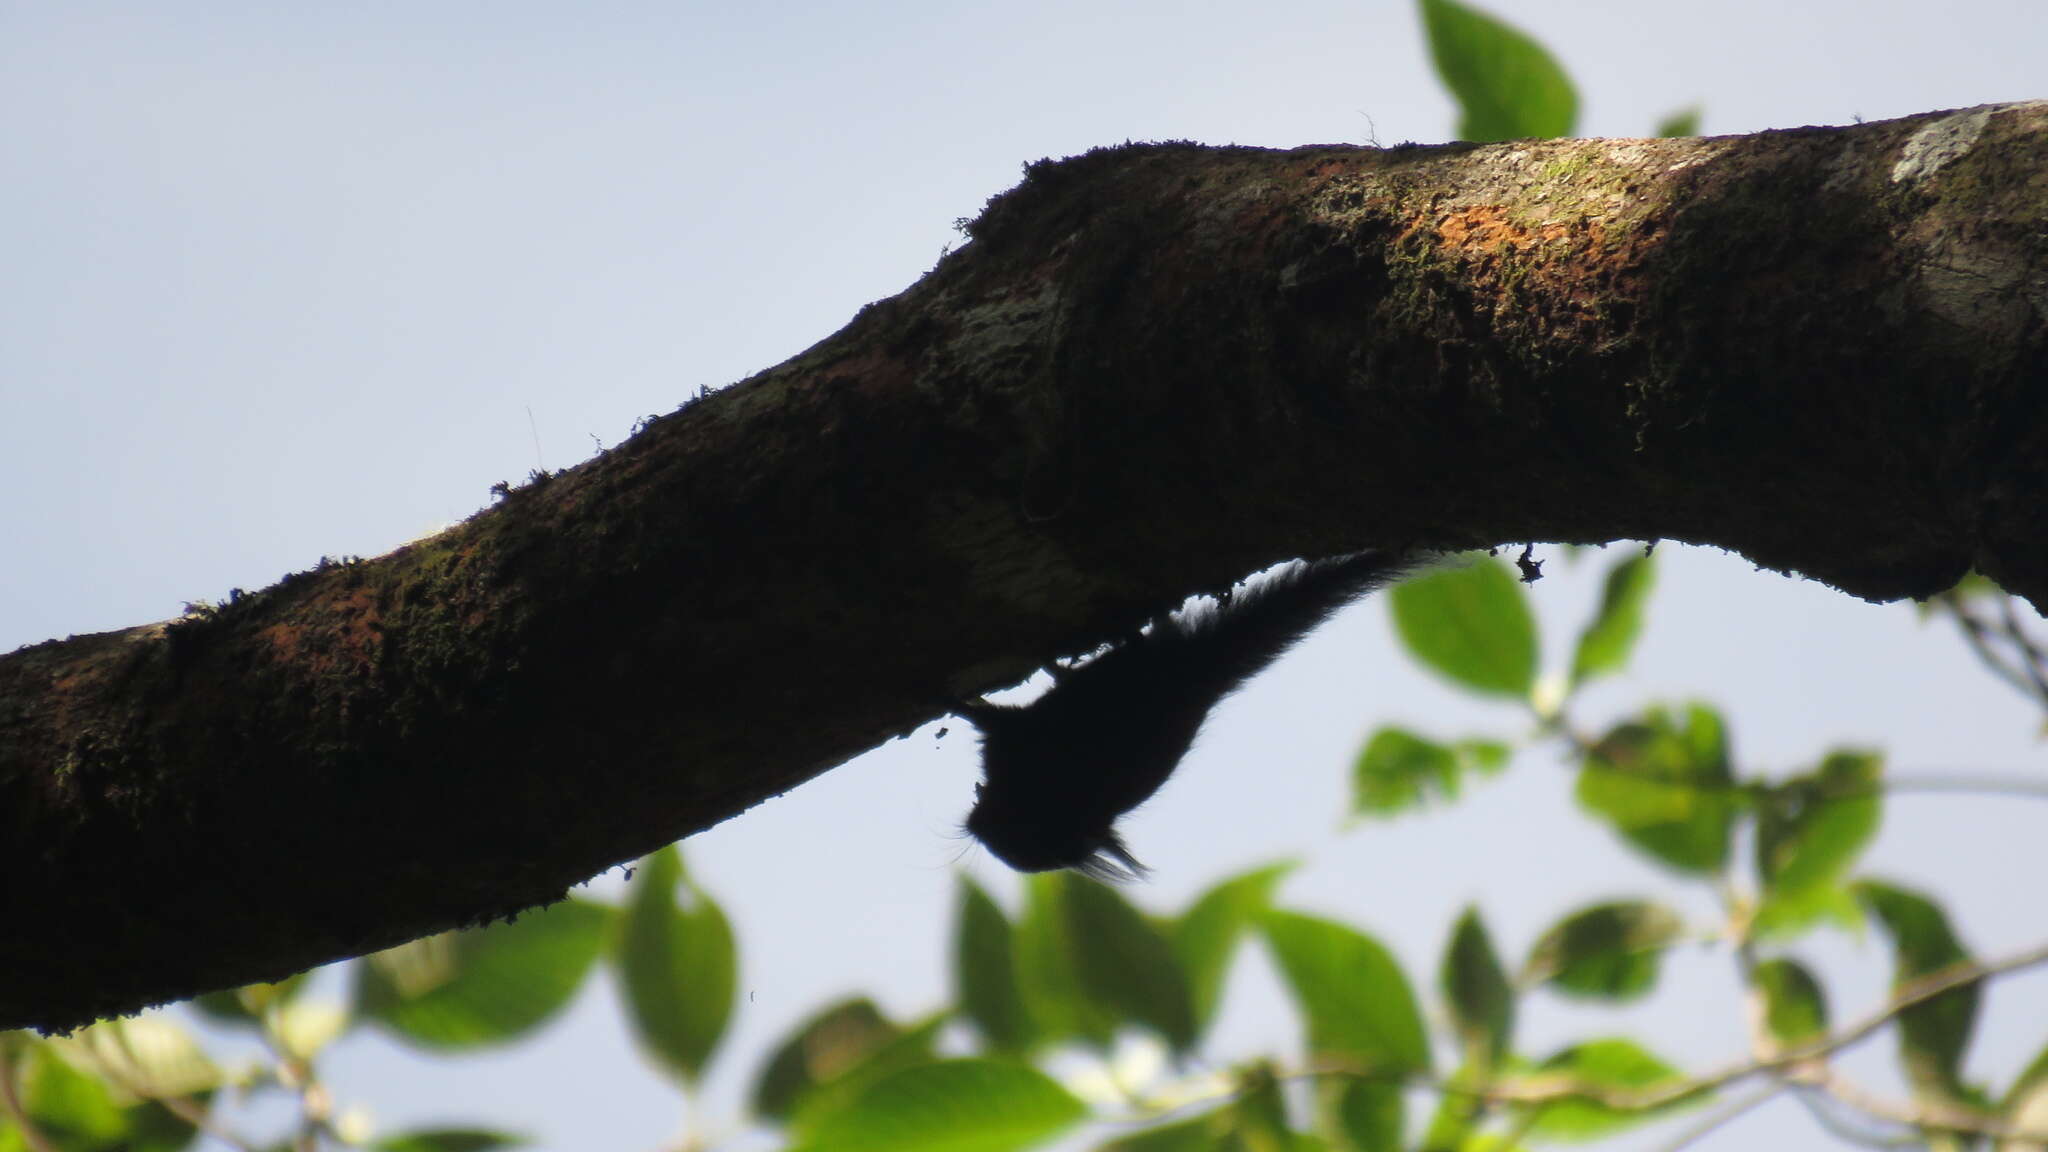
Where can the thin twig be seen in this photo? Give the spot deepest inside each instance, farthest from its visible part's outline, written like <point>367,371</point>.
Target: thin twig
<point>1978,635</point>
<point>1551,1089</point>
<point>1818,1104</point>
<point>2026,673</point>
<point>1815,1074</point>
<point>1707,1125</point>
<point>1924,1114</point>
<point>1802,1067</point>
<point>2035,661</point>
<point>315,1105</point>
<point>1973,784</point>
<point>1979,783</point>
<point>1911,994</point>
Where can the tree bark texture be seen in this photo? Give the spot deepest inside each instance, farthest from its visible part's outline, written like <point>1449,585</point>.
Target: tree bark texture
<point>1153,369</point>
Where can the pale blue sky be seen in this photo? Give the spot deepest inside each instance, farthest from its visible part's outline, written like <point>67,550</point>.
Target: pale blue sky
<point>285,280</point>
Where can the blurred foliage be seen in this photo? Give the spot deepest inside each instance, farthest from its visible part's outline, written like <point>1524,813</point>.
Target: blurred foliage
<point>1080,972</point>
<point>1508,86</point>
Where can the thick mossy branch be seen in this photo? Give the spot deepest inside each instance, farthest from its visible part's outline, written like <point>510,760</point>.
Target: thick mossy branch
<point>1154,368</point>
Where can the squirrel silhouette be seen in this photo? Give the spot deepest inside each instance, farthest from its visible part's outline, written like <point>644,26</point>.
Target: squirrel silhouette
<point>1058,772</point>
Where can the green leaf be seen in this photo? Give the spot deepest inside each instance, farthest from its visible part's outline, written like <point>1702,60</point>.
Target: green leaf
<point>483,986</point>
<point>1399,770</point>
<point>1458,1113</point>
<point>154,1128</point>
<point>246,1005</point>
<point>1788,913</point>
<point>1507,86</point>
<point>948,1106</point>
<point>1606,951</point>
<point>1258,1121</point>
<point>2025,1106</point>
<point>150,1056</point>
<point>1476,990</point>
<point>1471,625</point>
<point>821,1049</point>
<point>1933,1034</point>
<point>1047,968</point>
<point>835,1055</point>
<point>448,1140</point>
<point>677,964</point>
<point>1666,787</point>
<point>97,1090</point>
<point>1608,640</point>
<point>1259,1117</point>
<point>1684,122</point>
<point>302,1028</point>
<point>1206,935</point>
<point>1795,1008</point>
<point>71,1108</point>
<point>1608,1065</point>
<point>1126,965</point>
<point>917,1045</point>
<point>1351,990</point>
<point>1370,1114</point>
<point>1202,1133</point>
<point>985,972</point>
<point>1811,829</point>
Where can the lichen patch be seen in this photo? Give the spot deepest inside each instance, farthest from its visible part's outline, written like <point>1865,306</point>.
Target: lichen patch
<point>1938,143</point>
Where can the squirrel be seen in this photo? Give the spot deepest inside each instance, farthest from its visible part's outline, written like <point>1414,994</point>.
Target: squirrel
<point>1059,771</point>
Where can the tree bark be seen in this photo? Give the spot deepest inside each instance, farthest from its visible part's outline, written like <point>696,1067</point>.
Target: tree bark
<point>1154,368</point>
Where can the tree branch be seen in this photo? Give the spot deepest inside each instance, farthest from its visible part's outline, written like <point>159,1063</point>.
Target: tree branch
<point>1153,369</point>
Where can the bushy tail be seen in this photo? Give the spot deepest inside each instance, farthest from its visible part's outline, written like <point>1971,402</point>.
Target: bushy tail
<point>1263,621</point>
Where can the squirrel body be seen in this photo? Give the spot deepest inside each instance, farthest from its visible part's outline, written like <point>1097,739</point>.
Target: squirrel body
<point>1058,772</point>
